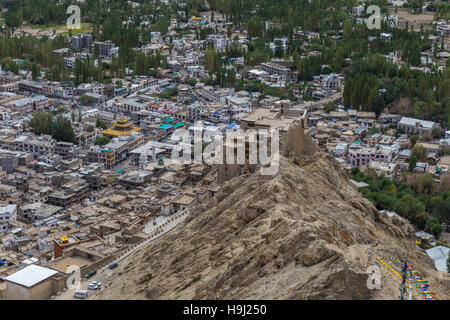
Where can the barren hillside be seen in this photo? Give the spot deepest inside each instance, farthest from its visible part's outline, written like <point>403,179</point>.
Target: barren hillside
<point>300,234</point>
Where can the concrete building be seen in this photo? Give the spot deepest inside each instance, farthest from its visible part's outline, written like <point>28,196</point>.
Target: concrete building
<point>60,244</point>
<point>82,41</point>
<point>272,67</point>
<point>31,283</point>
<point>7,214</point>
<point>443,28</point>
<point>362,156</point>
<point>359,10</point>
<point>412,126</point>
<point>332,81</point>
<point>9,87</point>
<point>120,128</point>
<point>27,105</point>
<point>104,47</point>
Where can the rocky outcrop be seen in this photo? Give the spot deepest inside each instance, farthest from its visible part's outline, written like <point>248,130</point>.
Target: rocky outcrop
<point>299,145</point>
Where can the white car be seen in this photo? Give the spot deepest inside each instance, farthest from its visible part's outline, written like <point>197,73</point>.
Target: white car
<point>94,285</point>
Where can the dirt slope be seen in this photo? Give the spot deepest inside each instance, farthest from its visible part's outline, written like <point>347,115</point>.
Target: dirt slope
<point>300,234</point>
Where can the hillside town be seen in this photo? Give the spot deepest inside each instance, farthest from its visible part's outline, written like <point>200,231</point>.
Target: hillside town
<point>87,165</point>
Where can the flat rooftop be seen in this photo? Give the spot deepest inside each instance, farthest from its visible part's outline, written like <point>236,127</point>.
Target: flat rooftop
<point>64,264</point>
<point>31,275</point>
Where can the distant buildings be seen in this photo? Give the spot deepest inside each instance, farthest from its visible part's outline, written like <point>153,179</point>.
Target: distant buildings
<point>332,81</point>
<point>272,67</point>
<point>359,10</point>
<point>121,127</point>
<point>443,28</point>
<point>114,152</point>
<point>82,41</point>
<point>27,105</point>
<point>105,48</point>
<point>416,126</point>
<point>7,214</point>
<point>362,156</point>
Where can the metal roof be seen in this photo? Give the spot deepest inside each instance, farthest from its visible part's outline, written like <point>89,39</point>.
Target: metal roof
<point>31,275</point>
<point>439,255</point>
<point>412,122</point>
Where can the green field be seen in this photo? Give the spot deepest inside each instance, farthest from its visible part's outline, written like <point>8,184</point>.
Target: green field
<point>43,27</point>
<point>85,28</point>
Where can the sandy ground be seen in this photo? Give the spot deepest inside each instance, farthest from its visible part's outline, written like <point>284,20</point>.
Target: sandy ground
<point>413,19</point>
<point>28,30</point>
<point>38,32</point>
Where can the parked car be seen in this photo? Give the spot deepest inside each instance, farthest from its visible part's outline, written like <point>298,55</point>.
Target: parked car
<point>90,274</point>
<point>94,285</point>
<point>113,265</point>
<point>80,294</point>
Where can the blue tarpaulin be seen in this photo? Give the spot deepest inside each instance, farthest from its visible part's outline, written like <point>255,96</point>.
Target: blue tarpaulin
<point>231,126</point>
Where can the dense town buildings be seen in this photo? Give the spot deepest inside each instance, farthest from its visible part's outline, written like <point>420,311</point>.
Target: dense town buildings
<point>89,197</point>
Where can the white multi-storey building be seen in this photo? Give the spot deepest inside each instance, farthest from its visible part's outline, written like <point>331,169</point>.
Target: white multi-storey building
<point>362,156</point>
<point>412,126</point>
<point>7,214</point>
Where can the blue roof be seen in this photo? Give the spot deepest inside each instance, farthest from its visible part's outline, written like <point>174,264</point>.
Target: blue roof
<point>231,126</point>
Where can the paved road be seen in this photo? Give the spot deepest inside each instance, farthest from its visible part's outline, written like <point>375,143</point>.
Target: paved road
<point>105,275</point>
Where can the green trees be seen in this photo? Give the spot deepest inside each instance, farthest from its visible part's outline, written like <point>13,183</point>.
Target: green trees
<point>373,130</point>
<point>428,93</point>
<point>442,211</point>
<point>101,140</point>
<point>433,226</point>
<point>255,28</point>
<point>57,126</point>
<point>414,138</point>
<point>191,81</point>
<point>212,60</point>
<point>100,124</point>
<point>420,152</point>
<point>361,92</point>
<point>35,71</point>
<point>85,99</point>
<point>330,106</point>
<point>14,19</point>
<point>62,129</point>
<point>168,93</point>
<point>423,211</point>
<point>145,62</point>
